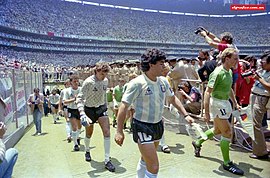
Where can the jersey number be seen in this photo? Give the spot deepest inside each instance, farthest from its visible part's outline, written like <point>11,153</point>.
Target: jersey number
<point>144,137</point>
<point>223,112</point>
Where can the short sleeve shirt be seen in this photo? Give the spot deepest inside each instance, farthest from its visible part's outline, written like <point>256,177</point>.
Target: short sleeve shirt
<point>118,93</point>
<point>221,82</point>
<point>258,88</point>
<point>70,94</point>
<point>148,97</point>
<point>54,99</point>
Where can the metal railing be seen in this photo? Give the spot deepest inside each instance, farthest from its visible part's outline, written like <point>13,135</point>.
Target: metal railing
<point>15,88</point>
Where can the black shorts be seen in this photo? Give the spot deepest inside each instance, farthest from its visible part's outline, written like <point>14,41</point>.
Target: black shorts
<point>73,113</point>
<point>55,106</point>
<point>147,132</point>
<point>95,113</point>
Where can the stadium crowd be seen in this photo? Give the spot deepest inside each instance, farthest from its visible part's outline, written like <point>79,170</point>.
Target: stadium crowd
<point>74,19</point>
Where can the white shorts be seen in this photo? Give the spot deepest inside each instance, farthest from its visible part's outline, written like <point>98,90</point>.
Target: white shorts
<point>116,105</point>
<point>110,105</point>
<point>220,108</point>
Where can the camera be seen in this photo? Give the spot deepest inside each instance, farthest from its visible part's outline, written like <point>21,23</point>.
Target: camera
<point>180,87</point>
<point>198,30</point>
<point>246,74</point>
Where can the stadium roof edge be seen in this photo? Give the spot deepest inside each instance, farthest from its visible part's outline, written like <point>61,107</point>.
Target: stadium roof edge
<point>166,11</point>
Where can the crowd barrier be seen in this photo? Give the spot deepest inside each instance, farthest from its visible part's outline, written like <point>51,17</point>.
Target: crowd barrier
<point>15,88</point>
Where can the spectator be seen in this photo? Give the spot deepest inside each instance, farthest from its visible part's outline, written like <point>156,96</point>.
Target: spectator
<point>190,97</point>
<point>260,94</point>
<point>35,101</point>
<point>8,157</point>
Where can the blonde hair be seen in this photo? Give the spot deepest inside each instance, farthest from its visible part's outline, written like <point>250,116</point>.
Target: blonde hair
<point>102,66</point>
<point>228,52</point>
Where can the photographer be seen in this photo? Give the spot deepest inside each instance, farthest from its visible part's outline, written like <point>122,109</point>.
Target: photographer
<point>260,94</point>
<point>190,97</point>
<point>208,67</point>
<point>226,40</point>
<point>245,81</point>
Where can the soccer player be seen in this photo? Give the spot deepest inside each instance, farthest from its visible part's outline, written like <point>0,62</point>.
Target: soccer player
<point>70,97</point>
<point>147,92</point>
<point>92,104</point>
<point>218,107</point>
<point>53,104</point>
<point>118,92</point>
<point>63,108</point>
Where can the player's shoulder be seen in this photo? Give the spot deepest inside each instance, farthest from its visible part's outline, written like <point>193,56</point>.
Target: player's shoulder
<point>90,79</point>
<point>138,79</point>
<point>163,79</point>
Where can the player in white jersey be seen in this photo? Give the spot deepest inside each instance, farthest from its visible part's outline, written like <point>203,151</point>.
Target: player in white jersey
<point>53,104</point>
<point>147,92</point>
<point>63,109</point>
<point>92,104</point>
<point>73,112</point>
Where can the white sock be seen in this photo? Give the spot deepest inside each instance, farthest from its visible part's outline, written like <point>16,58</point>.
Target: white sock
<point>78,133</point>
<point>162,141</point>
<point>149,175</point>
<point>54,117</point>
<point>107,146</point>
<point>87,144</point>
<point>68,129</point>
<point>74,137</point>
<point>141,168</point>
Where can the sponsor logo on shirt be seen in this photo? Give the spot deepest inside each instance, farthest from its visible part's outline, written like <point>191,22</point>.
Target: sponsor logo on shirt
<point>148,91</point>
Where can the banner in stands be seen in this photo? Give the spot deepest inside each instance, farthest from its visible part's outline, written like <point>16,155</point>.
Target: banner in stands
<point>8,110</point>
<point>20,98</point>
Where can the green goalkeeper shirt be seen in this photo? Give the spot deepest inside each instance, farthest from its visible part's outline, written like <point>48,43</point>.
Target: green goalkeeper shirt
<point>221,82</point>
<point>118,93</point>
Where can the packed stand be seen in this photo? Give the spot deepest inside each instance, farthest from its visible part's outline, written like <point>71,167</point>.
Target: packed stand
<point>74,19</point>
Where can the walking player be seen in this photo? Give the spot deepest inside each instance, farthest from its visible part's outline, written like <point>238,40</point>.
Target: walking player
<point>94,108</point>
<point>217,107</point>
<point>70,97</point>
<point>147,92</point>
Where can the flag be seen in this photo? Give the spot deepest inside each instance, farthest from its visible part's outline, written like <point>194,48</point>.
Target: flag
<point>244,117</point>
<point>51,34</point>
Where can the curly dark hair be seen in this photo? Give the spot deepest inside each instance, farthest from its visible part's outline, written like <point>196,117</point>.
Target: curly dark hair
<point>227,36</point>
<point>151,56</point>
<point>251,58</point>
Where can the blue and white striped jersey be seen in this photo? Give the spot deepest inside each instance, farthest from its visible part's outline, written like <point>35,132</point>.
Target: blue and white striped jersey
<point>148,97</point>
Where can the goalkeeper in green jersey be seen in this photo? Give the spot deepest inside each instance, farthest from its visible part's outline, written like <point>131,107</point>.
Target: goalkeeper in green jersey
<point>118,92</point>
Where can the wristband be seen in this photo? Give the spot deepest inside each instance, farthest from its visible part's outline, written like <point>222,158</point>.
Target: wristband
<point>186,116</point>
<point>208,33</point>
